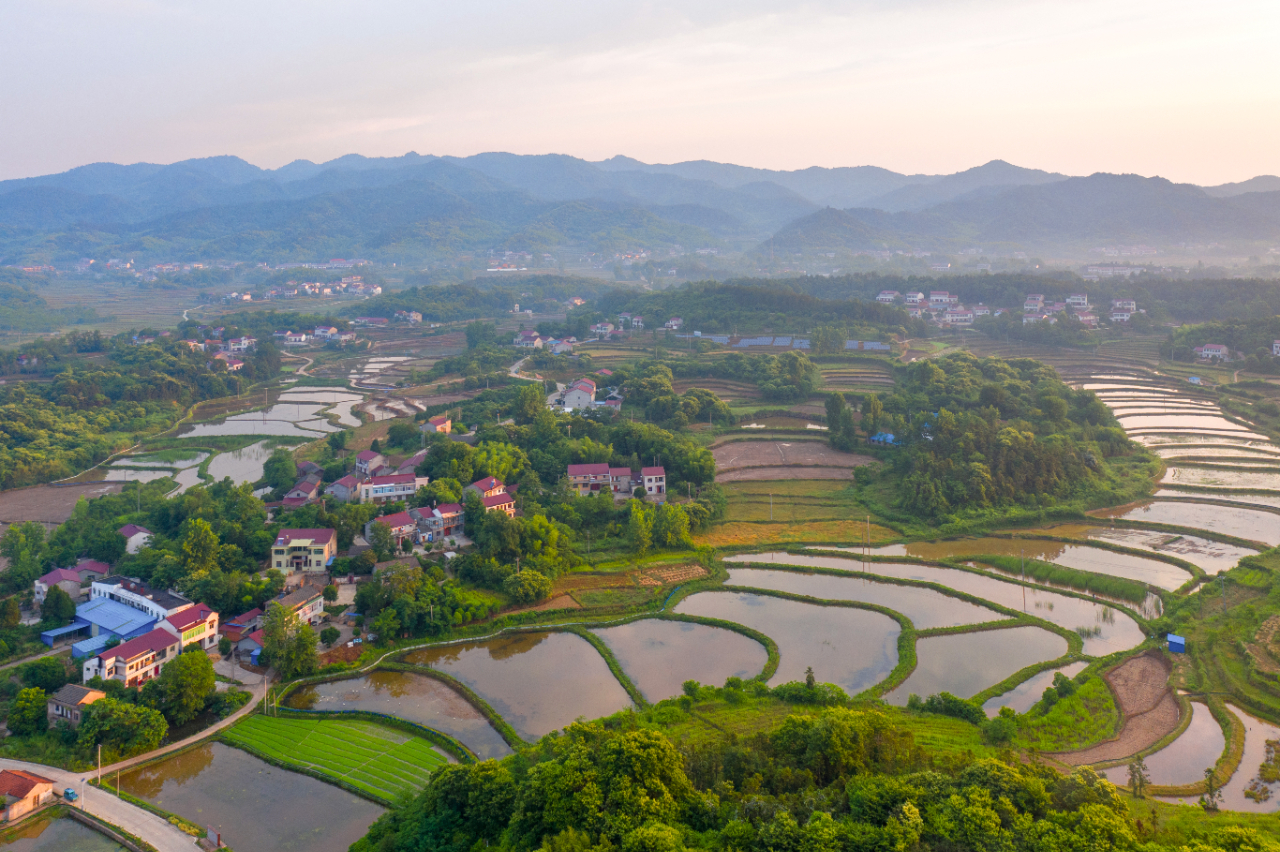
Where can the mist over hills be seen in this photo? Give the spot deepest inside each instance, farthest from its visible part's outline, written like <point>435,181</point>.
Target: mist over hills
<point>423,207</point>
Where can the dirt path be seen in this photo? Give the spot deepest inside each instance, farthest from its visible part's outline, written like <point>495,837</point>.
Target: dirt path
<point>1141,685</point>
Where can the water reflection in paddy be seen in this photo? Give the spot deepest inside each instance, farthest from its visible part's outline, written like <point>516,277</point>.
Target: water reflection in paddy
<point>1210,556</point>
<point>852,648</point>
<point>1174,439</point>
<point>256,427</point>
<point>1181,421</point>
<point>57,834</point>
<point>1025,695</point>
<point>1243,523</point>
<point>416,698</point>
<point>925,607</point>
<point>1185,759</point>
<point>252,803</point>
<point>1115,630</point>
<point>1244,499</point>
<point>1208,478</point>
<point>1256,734</point>
<point>967,663</point>
<point>243,465</point>
<point>539,682</point>
<point>660,655</point>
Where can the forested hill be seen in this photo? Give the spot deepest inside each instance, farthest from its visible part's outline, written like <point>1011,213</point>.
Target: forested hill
<point>24,309</point>
<point>414,208</point>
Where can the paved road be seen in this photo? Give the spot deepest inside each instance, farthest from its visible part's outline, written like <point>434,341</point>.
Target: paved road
<point>133,819</point>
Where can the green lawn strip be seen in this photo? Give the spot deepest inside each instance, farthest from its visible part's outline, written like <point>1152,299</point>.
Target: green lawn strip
<point>1086,717</point>
<point>615,667</point>
<point>1060,575</point>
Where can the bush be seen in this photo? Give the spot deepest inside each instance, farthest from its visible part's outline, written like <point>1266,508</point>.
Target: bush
<point>946,704</point>
<point>28,714</point>
<point>1002,728</point>
<point>329,635</point>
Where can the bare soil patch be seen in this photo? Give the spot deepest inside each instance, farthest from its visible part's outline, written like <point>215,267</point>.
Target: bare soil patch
<point>756,454</point>
<point>341,654</point>
<point>762,474</point>
<point>49,504</point>
<point>1141,686</point>
<point>672,574</point>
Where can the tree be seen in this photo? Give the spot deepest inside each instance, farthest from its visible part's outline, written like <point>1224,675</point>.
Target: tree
<point>338,441</point>
<point>827,339</point>
<point>280,471</point>
<point>288,646</point>
<point>530,400</point>
<point>671,527</point>
<point>29,713</point>
<point>872,412</point>
<point>527,586</point>
<point>199,547</point>
<point>330,593</point>
<point>329,635</point>
<point>403,435</point>
<point>58,608</point>
<point>10,614</point>
<point>122,729</point>
<point>186,685</point>
<point>382,541</point>
<point>1138,778</point>
<point>224,646</point>
<point>385,625</point>
<point>1211,800</point>
<point>640,528</point>
<point>47,673</point>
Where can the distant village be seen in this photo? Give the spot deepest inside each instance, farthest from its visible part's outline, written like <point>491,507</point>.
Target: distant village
<point>944,308</point>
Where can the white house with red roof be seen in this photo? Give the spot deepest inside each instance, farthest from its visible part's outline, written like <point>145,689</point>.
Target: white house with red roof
<point>367,461</point>
<point>402,525</point>
<point>197,625</point>
<point>64,578</point>
<point>135,661</point>
<point>487,487</point>
<point>580,394</point>
<point>391,488</point>
<point>304,549</point>
<point>589,479</point>
<point>440,423</point>
<point>135,537</point>
<point>503,502</point>
<point>439,522</point>
<point>296,338</point>
<point>654,481</point>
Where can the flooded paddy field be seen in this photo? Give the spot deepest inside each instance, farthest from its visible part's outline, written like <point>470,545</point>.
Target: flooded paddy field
<point>964,664</point>
<point>1210,478</point>
<point>1184,760</point>
<point>58,834</point>
<point>412,697</point>
<point>1104,629</point>
<point>925,607</point>
<point>1256,734</point>
<point>1188,493</point>
<point>1210,556</point>
<point>243,465</point>
<point>811,635</point>
<point>1243,523</point>
<point>239,795</point>
<point>1025,695</point>
<point>661,655</point>
<point>539,682</point>
<point>1180,422</point>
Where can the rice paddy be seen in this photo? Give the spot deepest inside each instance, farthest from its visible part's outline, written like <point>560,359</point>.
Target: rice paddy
<point>379,761</point>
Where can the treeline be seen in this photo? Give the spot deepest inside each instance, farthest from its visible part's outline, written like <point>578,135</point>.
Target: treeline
<point>833,780</point>
<point>1254,337</point>
<point>478,298</point>
<point>753,306</point>
<point>979,433</point>
<point>789,377</point>
<point>23,310</point>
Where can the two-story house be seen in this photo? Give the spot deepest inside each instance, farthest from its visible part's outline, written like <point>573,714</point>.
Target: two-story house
<point>402,525</point>
<point>442,521</point>
<point>69,702</point>
<point>304,549</point>
<point>439,423</point>
<point>367,461</point>
<point>391,488</point>
<point>654,482</point>
<point>135,537</point>
<point>135,661</point>
<point>345,489</point>
<point>580,395</point>
<point>307,603</point>
<point>587,479</point>
<point>197,625</point>
<point>486,487</point>
<point>503,502</point>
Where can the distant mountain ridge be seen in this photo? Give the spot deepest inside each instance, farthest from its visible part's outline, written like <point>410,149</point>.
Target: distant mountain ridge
<point>420,206</point>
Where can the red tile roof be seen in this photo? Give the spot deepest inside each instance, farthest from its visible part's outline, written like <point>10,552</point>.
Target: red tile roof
<point>487,484</point>
<point>324,536</point>
<point>399,519</point>
<point>190,617</point>
<point>601,469</point>
<point>449,509</point>
<point>19,784</point>
<point>653,471</point>
<point>367,455</point>
<point>393,479</point>
<point>497,500</point>
<point>130,530</point>
<point>57,575</point>
<point>148,643</point>
<point>620,471</point>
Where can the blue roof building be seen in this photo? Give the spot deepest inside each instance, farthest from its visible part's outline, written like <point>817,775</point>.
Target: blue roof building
<point>100,620</point>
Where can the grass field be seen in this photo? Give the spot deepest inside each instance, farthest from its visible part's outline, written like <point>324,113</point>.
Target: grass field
<point>749,534</point>
<point>381,761</point>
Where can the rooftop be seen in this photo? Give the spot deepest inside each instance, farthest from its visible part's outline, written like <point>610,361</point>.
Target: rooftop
<point>298,597</point>
<point>57,575</point>
<point>147,643</point>
<point>497,500</point>
<point>305,536</point>
<point>190,617</point>
<point>653,471</point>
<point>130,530</point>
<point>601,469</point>
<point>168,600</point>
<point>19,783</point>
<point>399,519</point>
<point>76,694</point>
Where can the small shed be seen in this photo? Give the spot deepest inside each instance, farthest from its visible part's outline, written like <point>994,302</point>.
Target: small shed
<point>1177,644</point>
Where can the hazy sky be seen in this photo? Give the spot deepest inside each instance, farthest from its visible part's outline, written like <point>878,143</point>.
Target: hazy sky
<point>1187,90</point>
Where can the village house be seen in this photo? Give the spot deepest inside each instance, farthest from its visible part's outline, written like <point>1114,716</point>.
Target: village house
<point>654,482</point>
<point>602,328</point>
<point>304,549</point>
<point>68,703</point>
<point>23,792</point>
<point>324,332</point>
<point>529,340</point>
<point>587,479</point>
<point>1033,302</point>
<point>241,344</point>
<point>673,324</point>
<point>63,578</point>
<point>306,602</point>
<point>1214,350</point>
<point>195,626</point>
<point>942,299</point>
<point>304,491</point>
<point>1121,316</point>
<point>1124,305</point>
<point>916,298</point>
<point>487,487</point>
<point>1078,301</point>
<point>409,316</point>
<point>440,423</point>
<point>410,464</point>
<point>402,525</point>
<point>391,488</point>
<point>437,523</point>
<point>1087,318</point>
<point>135,537</point>
<point>345,489</point>
<point>1275,348</point>
<point>981,310</point>
<point>888,297</point>
<point>958,316</point>
<point>580,395</point>
<point>295,338</point>
<point>135,661</point>
<point>242,625</point>
<point>367,461</point>
<point>502,502</point>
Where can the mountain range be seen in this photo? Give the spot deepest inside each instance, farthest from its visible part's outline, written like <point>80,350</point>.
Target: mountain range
<point>418,207</point>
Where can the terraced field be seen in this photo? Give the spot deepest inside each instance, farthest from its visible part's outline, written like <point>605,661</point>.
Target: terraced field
<point>379,761</point>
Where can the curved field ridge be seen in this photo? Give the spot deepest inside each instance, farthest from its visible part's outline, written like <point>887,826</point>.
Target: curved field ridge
<point>1151,712</point>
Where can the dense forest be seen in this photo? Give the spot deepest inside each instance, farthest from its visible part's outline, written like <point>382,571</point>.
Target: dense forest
<point>982,433</point>
<point>1253,337</point>
<point>833,780</point>
<point>23,309</point>
<point>484,297</point>
<point>96,394</point>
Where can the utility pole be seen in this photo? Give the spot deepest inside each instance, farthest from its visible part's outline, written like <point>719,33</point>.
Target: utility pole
<point>99,763</point>
<point>771,507</point>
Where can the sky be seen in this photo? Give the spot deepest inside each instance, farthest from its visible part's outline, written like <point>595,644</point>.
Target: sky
<point>1185,90</point>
